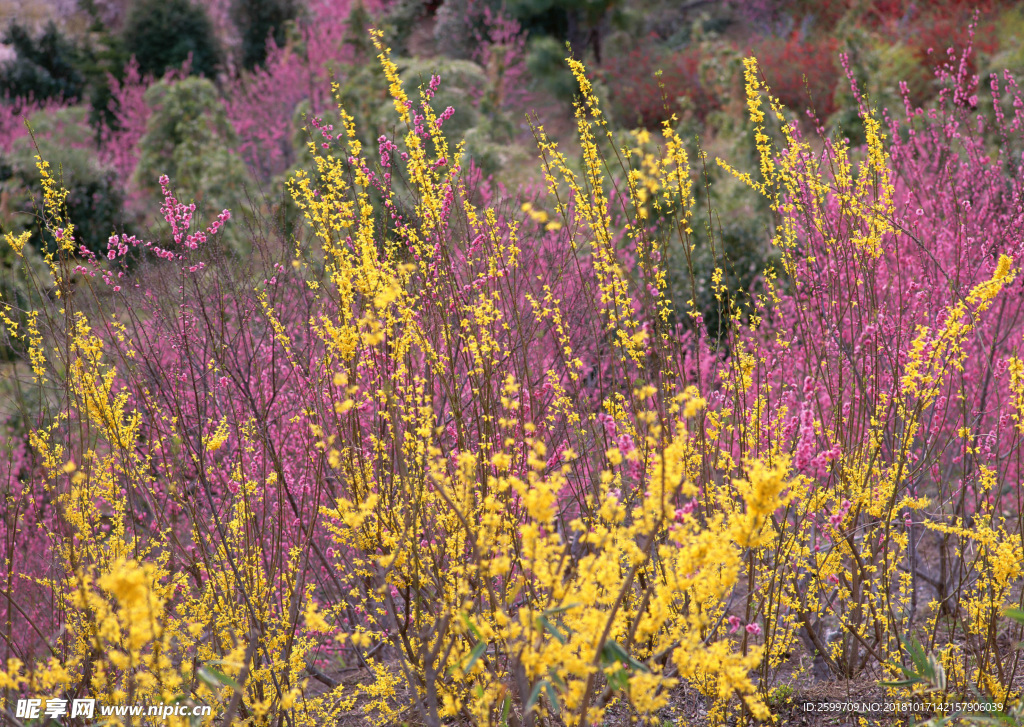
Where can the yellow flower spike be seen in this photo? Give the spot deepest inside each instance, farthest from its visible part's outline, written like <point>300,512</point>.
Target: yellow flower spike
<point>762,495</point>
<point>54,198</point>
<point>17,243</point>
<point>37,358</point>
<point>219,436</point>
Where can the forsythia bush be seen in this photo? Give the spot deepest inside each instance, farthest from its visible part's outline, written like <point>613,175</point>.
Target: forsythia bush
<point>438,464</point>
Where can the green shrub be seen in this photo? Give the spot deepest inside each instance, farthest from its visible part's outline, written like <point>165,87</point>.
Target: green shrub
<point>162,33</point>
<point>190,139</point>
<point>399,22</point>
<point>463,84</point>
<point>18,293</point>
<point>545,60</point>
<point>42,68</point>
<point>453,29</point>
<point>259,20</point>
<point>583,23</point>
<point>95,198</point>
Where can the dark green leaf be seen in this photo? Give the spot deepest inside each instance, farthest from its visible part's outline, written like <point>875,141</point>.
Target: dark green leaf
<point>552,697</point>
<point>534,695</point>
<point>619,680</point>
<point>472,629</point>
<point>475,655</point>
<point>215,679</point>
<point>506,707</point>
<point>612,652</point>
<point>905,683</point>
<point>1017,614</point>
<point>560,609</point>
<point>544,624</point>
<point>999,720</point>
<point>917,654</point>
<point>557,680</point>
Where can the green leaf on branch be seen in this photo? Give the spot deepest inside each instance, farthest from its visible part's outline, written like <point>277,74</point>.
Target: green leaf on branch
<point>215,679</point>
<point>612,652</point>
<point>475,655</point>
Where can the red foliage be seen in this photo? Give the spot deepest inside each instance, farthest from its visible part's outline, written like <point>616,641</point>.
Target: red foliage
<point>883,14</point>
<point>803,73</point>
<point>637,93</point>
<point>932,39</point>
<point>940,36</point>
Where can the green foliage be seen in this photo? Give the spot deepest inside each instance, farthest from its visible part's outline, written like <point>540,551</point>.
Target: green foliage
<point>1010,53</point>
<point>190,139</point>
<point>583,23</point>
<point>464,87</point>
<point>879,69</point>
<point>928,674</point>
<point>258,20</point>
<point>53,65</point>
<point>357,26</point>
<point>453,29</point>
<point>734,239</point>
<point>103,55</point>
<point>42,68</point>
<point>399,22</point>
<point>586,11</point>
<point>21,278</point>
<point>545,60</point>
<point>781,696</point>
<point>731,226</point>
<point>95,201</point>
<point>95,198</point>
<point>162,33</point>
<point>540,17</point>
<point>492,155</point>
<point>463,83</point>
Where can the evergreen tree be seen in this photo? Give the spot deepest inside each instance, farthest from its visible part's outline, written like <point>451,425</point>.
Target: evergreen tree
<point>259,20</point>
<point>162,33</point>
<point>43,67</point>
